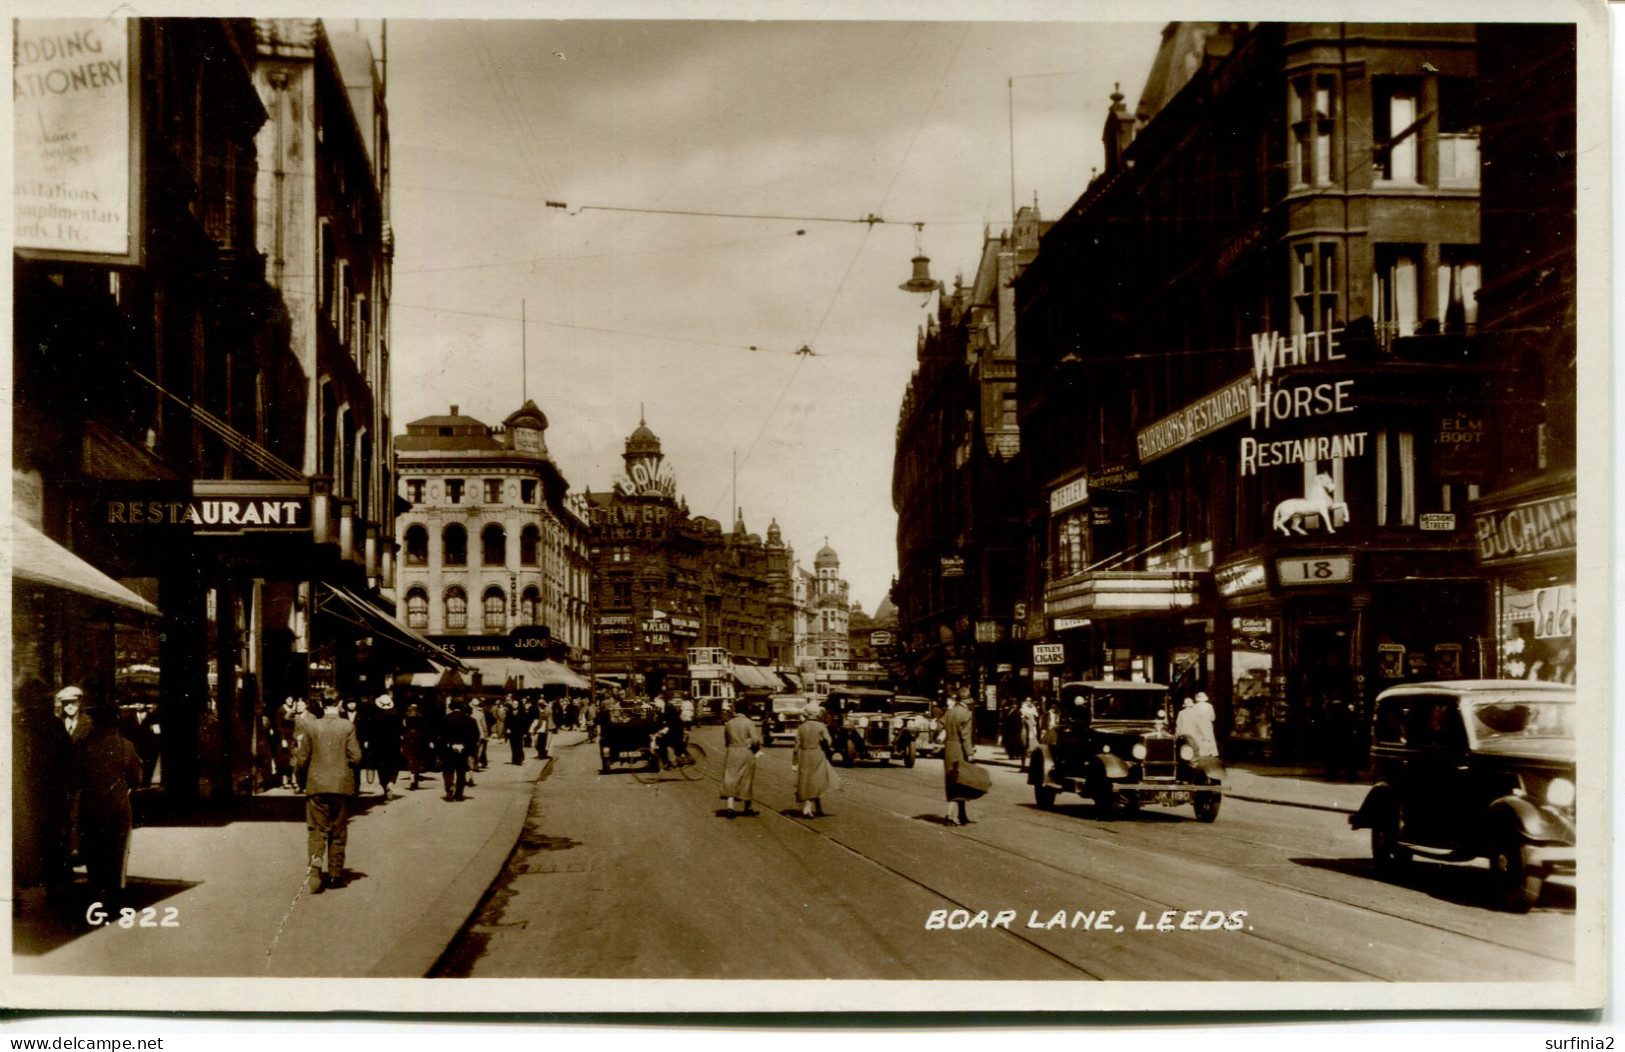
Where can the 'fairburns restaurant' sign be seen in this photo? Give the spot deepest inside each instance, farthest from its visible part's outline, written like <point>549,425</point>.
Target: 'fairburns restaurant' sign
<point>1264,402</point>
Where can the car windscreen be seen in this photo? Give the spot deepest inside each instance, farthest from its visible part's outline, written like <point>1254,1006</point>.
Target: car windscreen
<point>911,705</point>
<point>788,704</point>
<point>1126,704</point>
<point>861,702</point>
<point>1504,719</point>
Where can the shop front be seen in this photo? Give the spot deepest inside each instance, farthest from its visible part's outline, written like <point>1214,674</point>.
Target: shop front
<point>1144,626</point>
<point>1525,544</point>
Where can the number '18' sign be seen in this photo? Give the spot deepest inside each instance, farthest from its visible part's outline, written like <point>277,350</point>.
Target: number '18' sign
<point>1312,570</point>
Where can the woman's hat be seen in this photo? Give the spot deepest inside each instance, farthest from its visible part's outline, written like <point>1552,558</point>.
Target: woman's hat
<point>385,702</point>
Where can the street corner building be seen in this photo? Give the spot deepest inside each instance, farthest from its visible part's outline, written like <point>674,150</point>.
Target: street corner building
<point>1283,407</point>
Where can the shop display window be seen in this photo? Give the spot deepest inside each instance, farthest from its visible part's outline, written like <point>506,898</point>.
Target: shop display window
<point>1537,630</point>
<point>1252,677</point>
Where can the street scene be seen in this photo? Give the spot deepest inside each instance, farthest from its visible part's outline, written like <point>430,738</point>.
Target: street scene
<point>1079,501</point>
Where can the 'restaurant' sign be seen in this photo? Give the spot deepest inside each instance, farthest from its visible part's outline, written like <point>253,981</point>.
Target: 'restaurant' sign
<point>215,507</point>
<point>1208,414</point>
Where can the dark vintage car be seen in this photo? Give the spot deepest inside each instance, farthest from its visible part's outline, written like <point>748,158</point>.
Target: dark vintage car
<point>1471,769</point>
<point>1114,744</point>
<point>864,725</point>
<point>783,714</point>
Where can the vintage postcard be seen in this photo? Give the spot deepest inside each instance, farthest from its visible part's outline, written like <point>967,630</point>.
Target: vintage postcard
<point>577,509</point>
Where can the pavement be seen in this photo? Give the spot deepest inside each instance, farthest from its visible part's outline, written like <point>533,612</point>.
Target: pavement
<point>1262,783</point>
<point>227,896</point>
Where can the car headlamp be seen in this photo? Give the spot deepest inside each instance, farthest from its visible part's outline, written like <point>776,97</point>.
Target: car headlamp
<point>1560,793</point>
<point>1186,753</point>
<point>1139,750</point>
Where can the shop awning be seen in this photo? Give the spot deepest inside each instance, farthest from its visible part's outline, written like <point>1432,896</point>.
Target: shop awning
<point>346,605</point>
<point>526,675</point>
<point>37,559</point>
<point>753,678</point>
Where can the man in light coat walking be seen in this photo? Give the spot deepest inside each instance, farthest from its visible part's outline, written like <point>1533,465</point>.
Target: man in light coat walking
<point>325,761</point>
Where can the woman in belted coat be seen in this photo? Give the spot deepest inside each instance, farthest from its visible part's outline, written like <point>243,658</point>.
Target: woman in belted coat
<point>960,747</point>
<point>743,742</point>
<point>812,761</point>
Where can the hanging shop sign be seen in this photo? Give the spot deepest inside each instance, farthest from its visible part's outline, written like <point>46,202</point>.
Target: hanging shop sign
<point>213,507</point>
<point>529,640</point>
<point>955,666</point>
<point>1115,475</point>
<point>1049,653</point>
<point>989,632</point>
<point>953,566</point>
<point>1064,623</point>
<point>76,152</point>
<point>880,638</point>
<point>1525,531</point>
<point>1211,413</point>
<point>1461,446</point>
<point>1068,494</point>
<point>684,626</point>
<point>1240,578</point>
<point>1324,569</point>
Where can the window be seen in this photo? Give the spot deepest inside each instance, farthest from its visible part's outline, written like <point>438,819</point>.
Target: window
<point>493,491</point>
<point>454,546</point>
<point>417,546</point>
<point>621,591</point>
<point>527,545</point>
<point>530,607</point>
<point>456,609</point>
<point>1458,134</point>
<point>1070,553</point>
<point>1457,282</point>
<point>454,491</point>
<point>417,608</point>
<point>414,490</point>
<point>527,491</point>
<point>620,553</point>
<point>495,605</point>
<point>341,300</point>
<point>1395,129</point>
<point>493,546</point>
<point>1314,287</point>
<point>1395,291</point>
<point>1310,109</point>
<point>329,266</point>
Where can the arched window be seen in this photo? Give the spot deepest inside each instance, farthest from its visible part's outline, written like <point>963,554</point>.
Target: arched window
<point>417,608</point>
<point>417,546</point>
<point>493,546</point>
<point>530,607</point>
<point>528,538</point>
<point>495,609</point>
<point>456,609</point>
<point>454,546</point>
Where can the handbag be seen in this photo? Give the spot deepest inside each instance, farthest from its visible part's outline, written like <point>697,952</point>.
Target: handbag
<point>971,779</point>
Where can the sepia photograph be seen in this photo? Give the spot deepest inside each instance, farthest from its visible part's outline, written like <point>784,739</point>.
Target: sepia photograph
<point>1043,509</point>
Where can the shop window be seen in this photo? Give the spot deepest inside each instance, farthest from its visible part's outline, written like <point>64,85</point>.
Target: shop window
<point>454,491</point>
<point>530,607</point>
<point>527,491</point>
<point>493,546</point>
<point>417,546</point>
<point>1252,666</point>
<point>1315,287</point>
<point>1457,280</point>
<point>414,491</point>
<point>417,608</point>
<point>454,546</point>
<point>456,603</point>
<point>1310,108</point>
<point>528,538</point>
<point>495,605</point>
<point>493,491</point>
<point>1396,292</point>
<point>1069,553</point>
<point>1395,128</point>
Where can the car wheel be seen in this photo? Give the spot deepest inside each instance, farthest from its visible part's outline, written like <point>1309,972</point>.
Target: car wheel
<point>849,756</point>
<point>1516,882</point>
<point>1044,797</point>
<point>909,755</point>
<point>1207,806</point>
<point>1389,856</point>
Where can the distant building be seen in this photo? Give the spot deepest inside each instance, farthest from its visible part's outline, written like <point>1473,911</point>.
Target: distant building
<point>494,546</point>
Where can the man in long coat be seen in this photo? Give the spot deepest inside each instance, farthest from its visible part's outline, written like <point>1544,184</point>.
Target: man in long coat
<point>742,742</point>
<point>39,789</point>
<point>459,737</point>
<point>960,747</point>
<point>517,726</point>
<point>325,761</point>
<point>106,768</point>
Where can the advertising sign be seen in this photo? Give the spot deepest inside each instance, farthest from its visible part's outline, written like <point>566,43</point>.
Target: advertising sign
<point>1049,653</point>
<point>75,150</point>
<point>1540,527</point>
<point>1237,578</point>
<point>1325,569</point>
<point>1065,496</point>
<point>953,566</point>
<point>213,507</point>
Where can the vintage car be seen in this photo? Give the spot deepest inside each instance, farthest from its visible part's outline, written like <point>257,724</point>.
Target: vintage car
<point>865,726</point>
<point>1471,769</point>
<point>1114,744</point>
<point>783,714</point>
<point>924,728</point>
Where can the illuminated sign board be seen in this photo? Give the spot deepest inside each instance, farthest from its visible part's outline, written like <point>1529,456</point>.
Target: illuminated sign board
<point>213,507</point>
<point>1525,531</point>
<point>1240,577</point>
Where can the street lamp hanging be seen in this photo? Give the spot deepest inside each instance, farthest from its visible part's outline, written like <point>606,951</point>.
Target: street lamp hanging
<point>921,281</point>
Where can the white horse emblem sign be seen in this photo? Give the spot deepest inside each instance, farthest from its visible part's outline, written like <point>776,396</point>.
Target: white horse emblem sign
<point>1318,502</point>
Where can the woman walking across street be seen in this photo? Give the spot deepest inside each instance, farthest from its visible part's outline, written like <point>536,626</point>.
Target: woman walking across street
<point>415,744</point>
<point>383,743</point>
<point>812,762</point>
<point>743,742</point>
<point>959,749</point>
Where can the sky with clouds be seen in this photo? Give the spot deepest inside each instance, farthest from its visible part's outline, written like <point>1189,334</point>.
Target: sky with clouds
<point>630,312</point>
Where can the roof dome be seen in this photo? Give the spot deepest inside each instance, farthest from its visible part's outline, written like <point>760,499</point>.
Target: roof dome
<point>642,440</point>
<point>826,556</point>
<point>527,415</point>
<point>774,534</point>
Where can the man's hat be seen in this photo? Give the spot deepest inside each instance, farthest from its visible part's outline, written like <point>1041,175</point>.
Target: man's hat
<point>67,694</point>
<point>1201,695</point>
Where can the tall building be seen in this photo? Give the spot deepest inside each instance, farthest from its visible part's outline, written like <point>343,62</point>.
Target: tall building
<point>1246,357</point>
<point>829,612</point>
<point>956,479</point>
<point>494,553</point>
<point>667,581</point>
